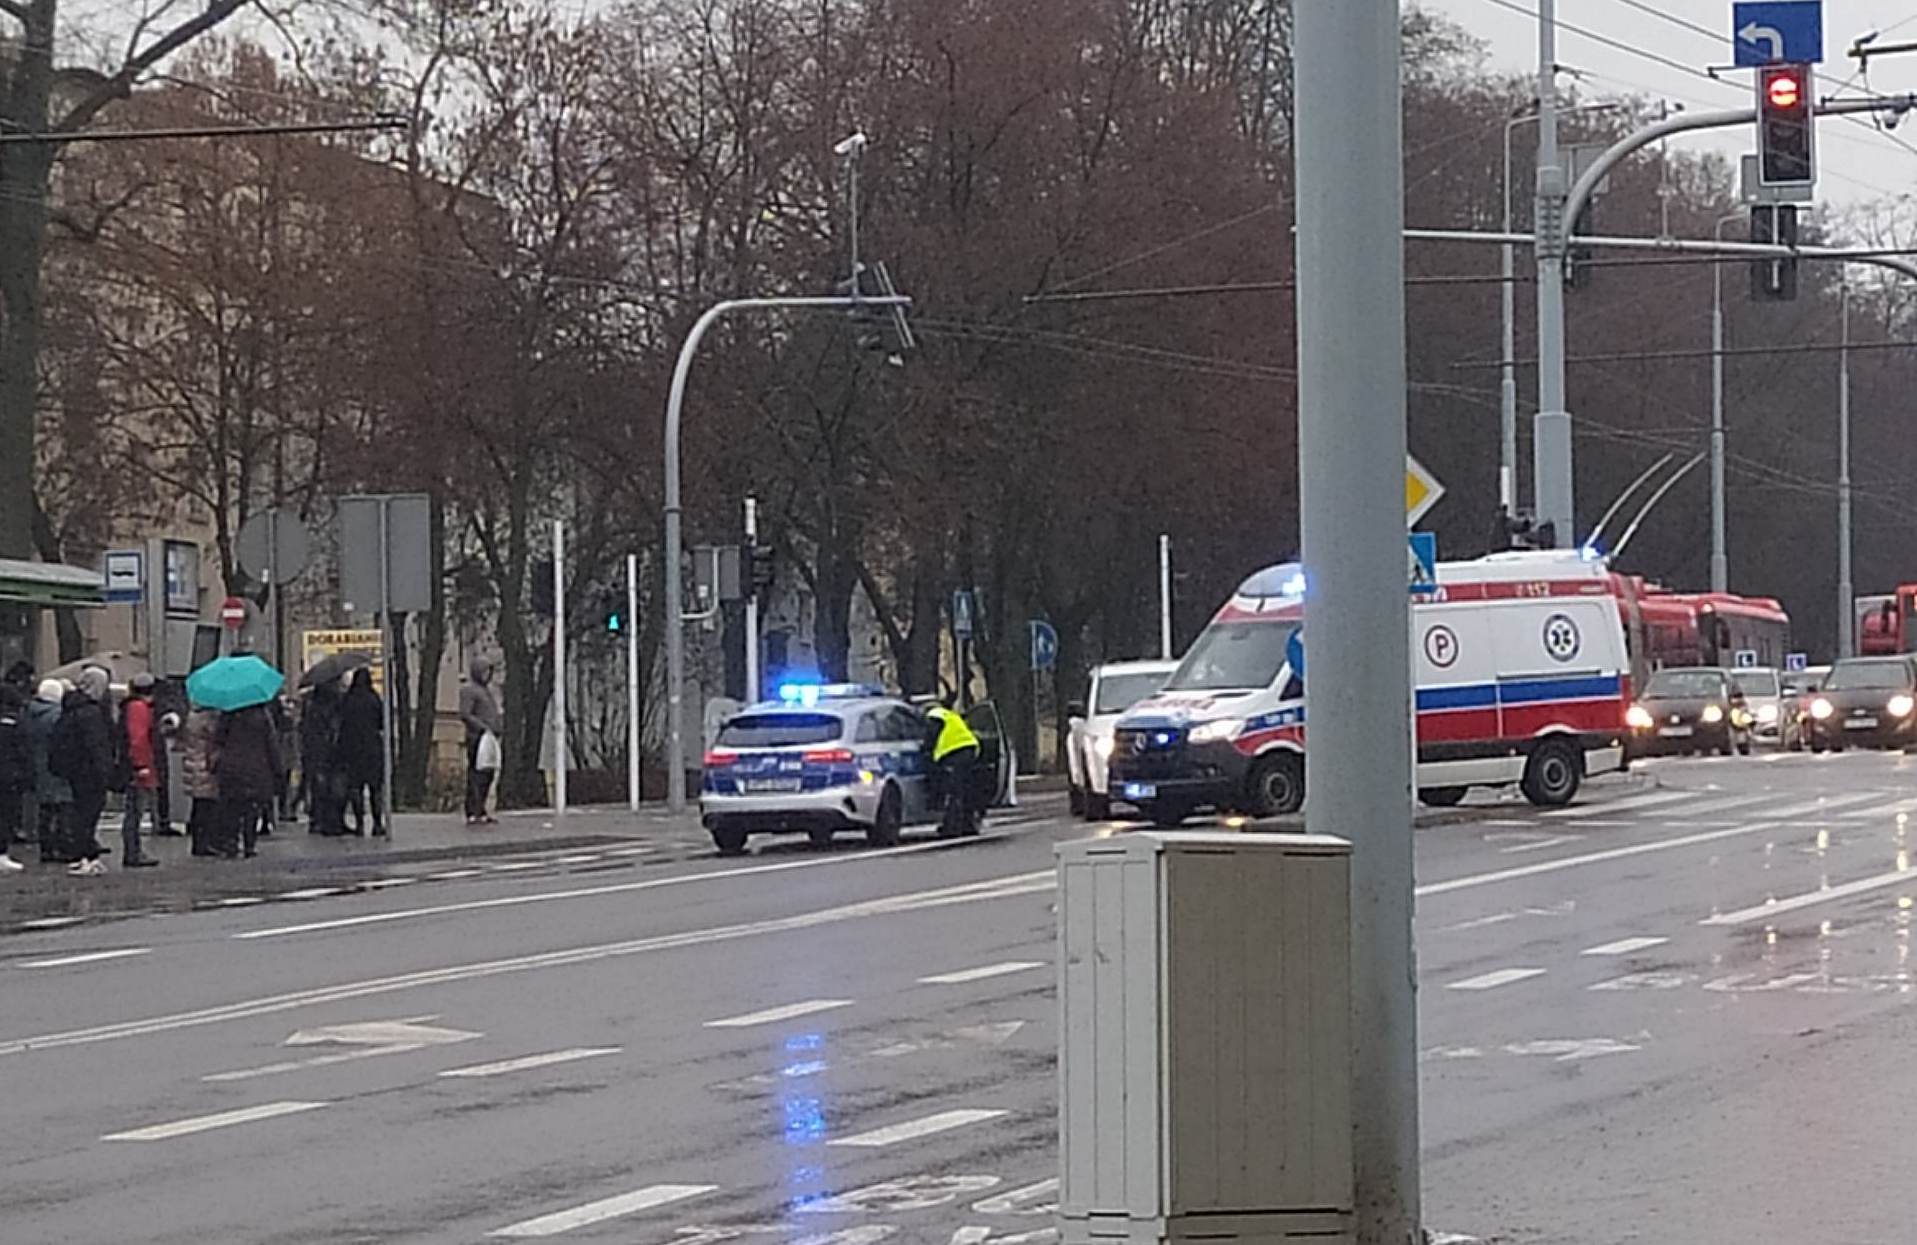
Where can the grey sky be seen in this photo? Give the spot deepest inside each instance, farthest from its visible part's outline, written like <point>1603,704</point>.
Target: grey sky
<point>1857,163</point>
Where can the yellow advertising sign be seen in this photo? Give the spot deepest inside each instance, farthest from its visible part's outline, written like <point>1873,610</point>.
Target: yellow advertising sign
<point>318,645</point>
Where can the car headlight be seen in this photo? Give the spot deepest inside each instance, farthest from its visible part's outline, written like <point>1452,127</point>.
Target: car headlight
<point>1821,709</point>
<point>1103,745</point>
<point>1638,718</point>
<point>1767,714</point>
<point>1217,732</point>
<point>1712,714</point>
<point>1900,705</point>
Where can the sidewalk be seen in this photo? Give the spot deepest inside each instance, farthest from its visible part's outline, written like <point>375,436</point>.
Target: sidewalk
<point>295,861</point>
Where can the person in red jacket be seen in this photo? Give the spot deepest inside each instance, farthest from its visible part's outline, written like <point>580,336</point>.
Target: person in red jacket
<point>141,727</point>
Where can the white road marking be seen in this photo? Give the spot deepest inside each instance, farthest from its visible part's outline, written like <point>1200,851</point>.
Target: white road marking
<point>90,957</point>
<point>1552,840</point>
<point>1033,1199</point>
<point>604,1209</point>
<point>639,849</point>
<point>577,860</point>
<point>1591,858</point>
<point>912,1130</point>
<point>1010,886</point>
<point>980,974</point>
<point>452,875</point>
<point>992,1034</point>
<point>526,1063</point>
<point>205,1123</point>
<point>311,892</point>
<point>614,888</point>
<point>1492,980</point>
<point>1625,946</point>
<point>1716,808</point>
<point>1822,806</point>
<point>239,901</point>
<point>1750,983</point>
<point>1646,981</point>
<point>1630,803</point>
<point>1571,1050</point>
<point>1797,903</point>
<point>898,1196</point>
<point>381,884</point>
<point>773,1015</point>
<point>514,866</point>
<point>412,1031</point>
<point>51,922</point>
<point>1902,808</point>
<point>317,1061</point>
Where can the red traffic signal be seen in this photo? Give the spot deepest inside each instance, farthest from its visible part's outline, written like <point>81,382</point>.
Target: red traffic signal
<point>1785,126</point>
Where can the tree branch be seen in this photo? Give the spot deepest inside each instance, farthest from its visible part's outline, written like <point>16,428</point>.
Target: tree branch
<point>120,84</point>
<point>14,9</point>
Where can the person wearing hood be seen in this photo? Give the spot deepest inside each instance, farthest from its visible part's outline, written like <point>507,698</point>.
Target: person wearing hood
<point>52,797</point>
<point>81,752</point>
<point>479,710</point>
<point>320,777</point>
<point>246,767</point>
<point>139,746</point>
<point>16,771</point>
<point>362,751</point>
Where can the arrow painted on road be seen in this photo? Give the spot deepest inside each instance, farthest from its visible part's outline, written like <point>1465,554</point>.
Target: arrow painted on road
<point>1754,34</point>
<point>411,1032</point>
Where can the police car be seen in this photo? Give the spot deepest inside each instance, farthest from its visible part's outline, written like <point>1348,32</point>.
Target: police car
<point>822,759</point>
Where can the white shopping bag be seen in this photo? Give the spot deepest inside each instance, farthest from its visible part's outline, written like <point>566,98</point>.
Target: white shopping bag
<point>488,754</point>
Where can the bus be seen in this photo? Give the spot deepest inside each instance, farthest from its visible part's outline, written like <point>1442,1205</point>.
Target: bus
<point>1887,625</point>
<point>1701,628</point>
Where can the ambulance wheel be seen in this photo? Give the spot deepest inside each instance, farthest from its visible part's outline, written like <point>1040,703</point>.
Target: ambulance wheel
<point>1097,807</point>
<point>1277,785</point>
<point>1442,797</point>
<point>1553,774</point>
<point>730,840</point>
<point>884,830</point>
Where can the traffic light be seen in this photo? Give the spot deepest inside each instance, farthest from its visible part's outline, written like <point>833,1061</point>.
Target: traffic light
<point>1786,133</point>
<point>612,611</point>
<point>540,589</point>
<point>1774,280</point>
<point>762,569</point>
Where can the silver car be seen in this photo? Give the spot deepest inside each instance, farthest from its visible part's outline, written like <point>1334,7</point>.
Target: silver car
<point>1773,710</point>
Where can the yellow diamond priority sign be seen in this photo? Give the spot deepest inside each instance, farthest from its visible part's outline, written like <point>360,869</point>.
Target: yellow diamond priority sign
<point>1421,491</point>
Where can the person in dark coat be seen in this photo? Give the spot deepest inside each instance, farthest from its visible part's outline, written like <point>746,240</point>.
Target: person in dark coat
<point>16,771</point>
<point>320,777</point>
<point>52,797</point>
<point>81,752</point>
<point>362,750</point>
<point>246,769</point>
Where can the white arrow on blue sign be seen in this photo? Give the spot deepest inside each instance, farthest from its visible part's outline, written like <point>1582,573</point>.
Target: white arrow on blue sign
<point>1778,32</point>
<point>1044,644</point>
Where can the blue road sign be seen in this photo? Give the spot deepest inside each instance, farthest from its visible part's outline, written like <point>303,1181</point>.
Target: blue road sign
<point>1778,32</point>
<point>125,576</point>
<point>962,614</point>
<point>1044,644</point>
<point>1424,562</point>
<point>1796,663</point>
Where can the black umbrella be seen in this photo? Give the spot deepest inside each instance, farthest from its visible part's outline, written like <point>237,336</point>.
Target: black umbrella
<point>333,667</point>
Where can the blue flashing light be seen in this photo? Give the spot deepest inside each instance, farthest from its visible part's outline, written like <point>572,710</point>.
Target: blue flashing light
<point>1591,553</point>
<point>799,693</point>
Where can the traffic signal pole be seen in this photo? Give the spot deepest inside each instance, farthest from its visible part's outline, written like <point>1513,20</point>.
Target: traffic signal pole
<point>1351,450</point>
<point>1846,589</point>
<point>1552,476</point>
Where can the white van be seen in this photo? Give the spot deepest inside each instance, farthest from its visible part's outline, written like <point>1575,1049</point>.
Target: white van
<point>1523,677</point>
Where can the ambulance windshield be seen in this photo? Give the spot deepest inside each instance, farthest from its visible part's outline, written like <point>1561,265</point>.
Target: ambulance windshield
<point>1234,656</point>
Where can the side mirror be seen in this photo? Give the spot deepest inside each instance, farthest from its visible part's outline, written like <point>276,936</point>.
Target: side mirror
<point>1074,708</point>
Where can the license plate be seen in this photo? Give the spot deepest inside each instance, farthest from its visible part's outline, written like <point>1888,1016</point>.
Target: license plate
<point>772,784</point>
<point>1675,732</point>
<point>1140,791</point>
<point>1861,724</point>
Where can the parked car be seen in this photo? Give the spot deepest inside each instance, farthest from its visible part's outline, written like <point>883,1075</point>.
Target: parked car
<point>1116,687</point>
<point>1774,712</point>
<point>1687,710</point>
<point>1867,702</point>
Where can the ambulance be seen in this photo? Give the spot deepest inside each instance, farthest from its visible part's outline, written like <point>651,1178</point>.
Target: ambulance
<point>1523,677</point>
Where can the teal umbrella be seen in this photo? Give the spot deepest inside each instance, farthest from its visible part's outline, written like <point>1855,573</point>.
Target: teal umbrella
<point>236,682</point>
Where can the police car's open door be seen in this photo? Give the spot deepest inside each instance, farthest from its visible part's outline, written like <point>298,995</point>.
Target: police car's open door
<point>994,770</point>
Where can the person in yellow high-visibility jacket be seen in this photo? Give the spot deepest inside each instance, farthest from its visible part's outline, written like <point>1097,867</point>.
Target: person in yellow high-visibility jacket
<point>954,750</point>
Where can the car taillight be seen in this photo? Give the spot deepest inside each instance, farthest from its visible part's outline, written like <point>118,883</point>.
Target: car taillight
<point>829,756</point>
<point>719,758</point>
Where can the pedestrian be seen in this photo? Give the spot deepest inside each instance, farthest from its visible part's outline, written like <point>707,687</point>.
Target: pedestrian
<point>248,760</point>
<point>139,741</point>
<point>479,710</point>
<point>320,777</point>
<point>282,711</point>
<point>362,751</point>
<point>955,751</point>
<point>199,764</point>
<point>16,771</point>
<point>170,707</point>
<point>19,676</point>
<point>52,796</point>
<point>81,752</point>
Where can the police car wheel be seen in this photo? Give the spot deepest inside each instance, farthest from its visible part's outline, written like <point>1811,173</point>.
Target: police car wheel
<point>884,830</point>
<point>1553,774</point>
<point>730,840</point>
<point>1277,786</point>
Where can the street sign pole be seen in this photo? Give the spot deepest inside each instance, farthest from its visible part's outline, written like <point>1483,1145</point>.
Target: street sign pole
<point>1350,214</point>
<point>559,666</point>
<point>633,737</point>
<point>752,605</point>
<point>1551,428</point>
<point>385,657</point>
<point>1164,598</point>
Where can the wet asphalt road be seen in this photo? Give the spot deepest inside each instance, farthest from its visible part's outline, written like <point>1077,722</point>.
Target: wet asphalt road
<point>1677,1012</point>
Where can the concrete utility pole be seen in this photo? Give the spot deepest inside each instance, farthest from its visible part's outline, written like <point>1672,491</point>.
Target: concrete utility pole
<point>1351,446</point>
<point>751,603</point>
<point>1164,598</point>
<point>1846,590</point>
<point>1551,438</point>
<point>1720,555</point>
<point>634,738</point>
<point>559,666</point>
